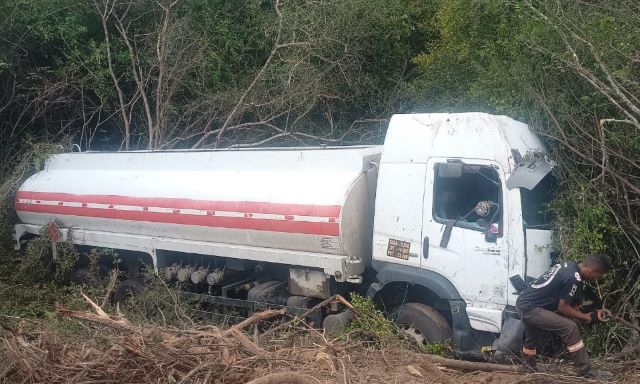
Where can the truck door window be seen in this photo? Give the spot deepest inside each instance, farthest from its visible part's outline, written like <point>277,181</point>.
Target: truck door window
<point>456,195</point>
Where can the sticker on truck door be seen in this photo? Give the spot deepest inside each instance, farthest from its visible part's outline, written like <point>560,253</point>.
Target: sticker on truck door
<point>398,249</point>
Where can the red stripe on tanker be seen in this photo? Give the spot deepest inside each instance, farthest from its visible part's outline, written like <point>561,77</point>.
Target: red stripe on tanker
<point>261,216</point>
<point>180,203</point>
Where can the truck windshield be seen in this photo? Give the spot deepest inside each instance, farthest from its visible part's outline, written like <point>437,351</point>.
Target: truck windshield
<point>536,212</point>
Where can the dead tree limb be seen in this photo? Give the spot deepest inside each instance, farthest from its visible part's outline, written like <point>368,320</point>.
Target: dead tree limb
<point>110,321</point>
<point>255,318</point>
<point>113,279</point>
<point>105,13</point>
<point>470,365</point>
<point>284,378</point>
<point>247,91</point>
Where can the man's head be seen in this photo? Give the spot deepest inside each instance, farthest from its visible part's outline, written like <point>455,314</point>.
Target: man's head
<point>594,266</point>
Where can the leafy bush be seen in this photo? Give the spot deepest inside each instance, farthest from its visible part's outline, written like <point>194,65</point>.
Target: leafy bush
<point>371,324</point>
<point>439,349</point>
<point>158,303</point>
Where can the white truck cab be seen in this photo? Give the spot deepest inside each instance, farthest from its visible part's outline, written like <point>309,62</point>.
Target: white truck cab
<point>458,212</point>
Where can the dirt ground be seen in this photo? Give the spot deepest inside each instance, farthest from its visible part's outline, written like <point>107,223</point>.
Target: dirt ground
<point>99,355</point>
<point>95,347</point>
<point>398,365</point>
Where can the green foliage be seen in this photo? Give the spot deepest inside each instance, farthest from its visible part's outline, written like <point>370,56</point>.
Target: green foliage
<point>345,62</point>
<point>31,160</point>
<point>38,263</point>
<point>473,47</point>
<point>31,283</point>
<point>584,224</point>
<point>233,34</point>
<point>605,338</point>
<point>439,349</point>
<point>371,324</point>
<point>158,303</point>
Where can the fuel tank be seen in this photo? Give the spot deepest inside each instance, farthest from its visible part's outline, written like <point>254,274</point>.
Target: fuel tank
<point>318,200</point>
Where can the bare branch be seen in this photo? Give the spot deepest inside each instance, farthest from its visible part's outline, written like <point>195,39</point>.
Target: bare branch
<point>105,12</point>
<point>240,102</point>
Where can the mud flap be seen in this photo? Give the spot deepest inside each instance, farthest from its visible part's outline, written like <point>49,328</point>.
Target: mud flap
<point>511,339</point>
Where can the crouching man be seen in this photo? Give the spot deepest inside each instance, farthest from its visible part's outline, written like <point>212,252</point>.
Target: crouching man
<point>550,304</point>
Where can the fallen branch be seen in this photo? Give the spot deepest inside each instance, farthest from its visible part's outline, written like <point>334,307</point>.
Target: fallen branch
<point>236,330</point>
<point>113,279</point>
<point>110,321</point>
<point>95,306</point>
<point>119,322</point>
<point>100,316</point>
<point>246,342</point>
<point>256,317</point>
<point>470,365</point>
<point>347,304</point>
<point>284,378</point>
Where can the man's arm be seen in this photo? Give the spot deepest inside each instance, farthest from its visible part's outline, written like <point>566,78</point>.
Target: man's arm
<point>565,308</point>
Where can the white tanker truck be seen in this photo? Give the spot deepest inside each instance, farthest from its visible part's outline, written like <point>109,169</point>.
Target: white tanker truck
<point>438,225</point>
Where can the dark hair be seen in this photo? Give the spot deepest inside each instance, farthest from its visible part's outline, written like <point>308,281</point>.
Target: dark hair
<point>598,261</point>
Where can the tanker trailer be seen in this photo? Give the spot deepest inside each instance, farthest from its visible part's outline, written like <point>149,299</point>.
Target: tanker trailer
<point>301,216</point>
<point>434,225</point>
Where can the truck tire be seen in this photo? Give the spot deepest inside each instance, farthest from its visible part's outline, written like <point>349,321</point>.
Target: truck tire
<point>421,323</point>
<point>126,289</point>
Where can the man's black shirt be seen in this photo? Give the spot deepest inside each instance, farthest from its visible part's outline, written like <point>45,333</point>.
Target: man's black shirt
<point>562,281</point>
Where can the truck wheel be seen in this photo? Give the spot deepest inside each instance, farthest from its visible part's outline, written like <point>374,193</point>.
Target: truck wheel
<point>126,289</point>
<point>421,323</point>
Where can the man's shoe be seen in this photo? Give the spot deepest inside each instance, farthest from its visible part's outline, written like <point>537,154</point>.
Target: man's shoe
<point>597,374</point>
